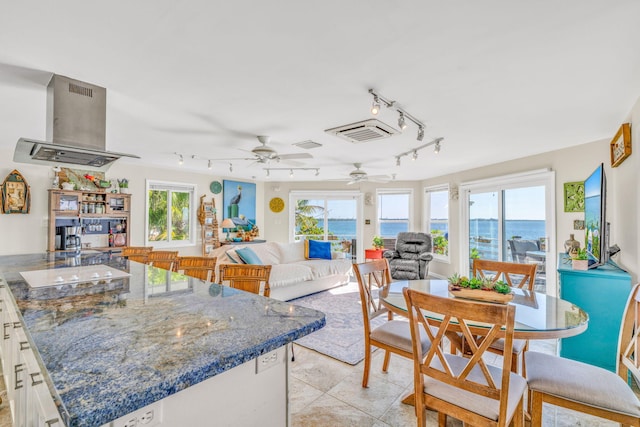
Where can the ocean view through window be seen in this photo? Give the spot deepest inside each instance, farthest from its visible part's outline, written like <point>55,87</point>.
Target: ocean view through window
<point>394,209</point>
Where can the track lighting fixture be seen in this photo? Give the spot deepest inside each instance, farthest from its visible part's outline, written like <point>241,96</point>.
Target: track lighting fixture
<point>375,107</point>
<point>401,123</point>
<point>404,115</point>
<point>230,167</point>
<point>414,151</point>
<point>180,158</point>
<point>268,170</point>
<point>209,165</point>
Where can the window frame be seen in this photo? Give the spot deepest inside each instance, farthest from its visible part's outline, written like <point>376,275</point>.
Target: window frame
<point>427,217</point>
<point>171,186</point>
<point>392,191</point>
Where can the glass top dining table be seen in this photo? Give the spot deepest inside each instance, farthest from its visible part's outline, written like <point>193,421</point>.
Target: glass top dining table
<point>538,316</point>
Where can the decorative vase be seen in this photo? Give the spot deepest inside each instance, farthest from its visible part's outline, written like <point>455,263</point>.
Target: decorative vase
<point>572,245</point>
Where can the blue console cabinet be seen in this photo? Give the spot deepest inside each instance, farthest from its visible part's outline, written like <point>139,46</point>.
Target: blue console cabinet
<point>601,292</point>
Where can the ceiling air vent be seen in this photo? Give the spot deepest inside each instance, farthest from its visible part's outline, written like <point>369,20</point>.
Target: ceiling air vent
<point>308,144</point>
<point>364,131</point>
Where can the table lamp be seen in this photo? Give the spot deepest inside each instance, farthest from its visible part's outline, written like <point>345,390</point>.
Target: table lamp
<point>228,223</point>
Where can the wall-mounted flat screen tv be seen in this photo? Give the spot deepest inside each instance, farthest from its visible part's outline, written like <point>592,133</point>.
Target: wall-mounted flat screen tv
<point>596,230</point>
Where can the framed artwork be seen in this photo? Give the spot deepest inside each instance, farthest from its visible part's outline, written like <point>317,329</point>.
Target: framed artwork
<point>16,194</point>
<point>239,203</point>
<point>208,221</point>
<point>574,196</point>
<point>620,145</point>
<point>578,224</point>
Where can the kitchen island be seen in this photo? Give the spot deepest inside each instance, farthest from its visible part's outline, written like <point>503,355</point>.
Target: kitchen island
<point>131,336</point>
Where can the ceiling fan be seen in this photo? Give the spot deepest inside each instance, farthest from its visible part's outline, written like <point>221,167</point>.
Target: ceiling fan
<point>264,154</point>
<point>358,175</point>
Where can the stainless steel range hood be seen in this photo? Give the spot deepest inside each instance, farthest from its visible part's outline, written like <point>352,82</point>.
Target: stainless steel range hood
<point>76,125</point>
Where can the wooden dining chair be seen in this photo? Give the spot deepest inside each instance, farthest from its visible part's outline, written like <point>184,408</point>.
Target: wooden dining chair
<point>465,388</point>
<point>247,277</point>
<point>137,253</point>
<point>203,268</point>
<point>587,388</point>
<point>163,259</point>
<point>393,336</point>
<point>516,275</point>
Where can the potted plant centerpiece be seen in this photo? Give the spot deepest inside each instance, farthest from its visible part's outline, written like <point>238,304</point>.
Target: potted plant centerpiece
<point>480,288</point>
<point>579,260</point>
<point>377,242</point>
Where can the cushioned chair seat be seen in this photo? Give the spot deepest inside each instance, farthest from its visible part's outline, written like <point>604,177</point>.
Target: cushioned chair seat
<point>398,334</point>
<point>488,408</point>
<point>580,382</point>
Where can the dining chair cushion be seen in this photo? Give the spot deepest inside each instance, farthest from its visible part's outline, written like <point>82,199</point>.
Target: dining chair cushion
<point>580,382</point>
<point>248,256</point>
<point>398,334</point>
<point>487,407</point>
<point>518,345</point>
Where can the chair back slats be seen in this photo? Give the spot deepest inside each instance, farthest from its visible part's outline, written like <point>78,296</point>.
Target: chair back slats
<point>137,253</point>
<point>199,267</point>
<point>481,324</point>
<point>163,259</point>
<point>247,277</point>
<point>628,343</point>
<point>372,276</point>
<point>522,276</point>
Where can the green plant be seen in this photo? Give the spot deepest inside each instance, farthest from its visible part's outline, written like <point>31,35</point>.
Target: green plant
<point>483,283</point>
<point>474,253</point>
<point>377,242</point>
<point>581,255</point>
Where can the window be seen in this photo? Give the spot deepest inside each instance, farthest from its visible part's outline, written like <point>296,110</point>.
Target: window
<point>394,212</point>
<point>436,211</point>
<point>169,220</point>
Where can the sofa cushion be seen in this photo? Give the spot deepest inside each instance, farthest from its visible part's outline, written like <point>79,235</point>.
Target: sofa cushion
<point>267,252</point>
<point>316,249</point>
<point>249,256</point>
<point>290,252</point>
<point>323,268</point>
<point>289,274</point>
<point>233,256</point>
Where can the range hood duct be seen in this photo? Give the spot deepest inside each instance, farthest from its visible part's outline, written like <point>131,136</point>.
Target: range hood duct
<point>76,128</point>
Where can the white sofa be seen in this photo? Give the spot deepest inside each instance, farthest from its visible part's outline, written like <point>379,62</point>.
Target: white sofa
<point>293,276</point>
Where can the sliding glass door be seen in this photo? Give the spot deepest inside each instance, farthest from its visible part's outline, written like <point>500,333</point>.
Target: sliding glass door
<point>511,219</point>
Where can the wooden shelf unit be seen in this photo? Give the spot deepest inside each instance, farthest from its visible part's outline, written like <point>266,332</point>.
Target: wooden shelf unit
<point>89,207</point>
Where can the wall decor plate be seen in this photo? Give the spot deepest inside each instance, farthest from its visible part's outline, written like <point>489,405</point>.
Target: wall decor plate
<point>276,204</point>
<point>215,187</point>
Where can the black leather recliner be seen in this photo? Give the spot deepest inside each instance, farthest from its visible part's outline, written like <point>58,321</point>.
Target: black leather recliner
<point>411,257</point>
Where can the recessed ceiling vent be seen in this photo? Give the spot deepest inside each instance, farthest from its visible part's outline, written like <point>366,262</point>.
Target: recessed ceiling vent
<point>364,131</point>
<point>308,144</point>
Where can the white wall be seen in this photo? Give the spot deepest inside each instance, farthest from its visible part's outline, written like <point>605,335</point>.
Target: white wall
<point>28,233</point>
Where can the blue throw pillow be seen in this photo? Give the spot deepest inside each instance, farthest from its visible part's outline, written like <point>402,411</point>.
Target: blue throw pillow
<point>316,249</point>
<point>248,256</point>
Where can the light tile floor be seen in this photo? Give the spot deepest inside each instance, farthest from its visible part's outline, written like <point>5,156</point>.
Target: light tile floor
<point>326,392</point>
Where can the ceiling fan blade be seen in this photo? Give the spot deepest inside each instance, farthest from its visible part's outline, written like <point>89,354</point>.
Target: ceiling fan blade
<point>295,156</point>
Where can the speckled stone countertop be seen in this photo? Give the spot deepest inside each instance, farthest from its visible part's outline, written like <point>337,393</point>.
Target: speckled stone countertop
<point>113,346</point>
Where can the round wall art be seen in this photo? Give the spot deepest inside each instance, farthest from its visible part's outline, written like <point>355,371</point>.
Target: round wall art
<point>215,187</point>
<point>276,204</point>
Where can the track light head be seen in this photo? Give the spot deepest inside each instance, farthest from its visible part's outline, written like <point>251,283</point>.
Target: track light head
<point>290,173</point>
<point>268,172</point>
<point>420,133</point>
<point>436,149</point>
<point>209,165</point>
<point>230,167</point>
<point>398,161</point>
<point>180,160</point>
<point>401,123</point>
<point>317,172</point>
<point>414,156</point>
<point>375,107</point>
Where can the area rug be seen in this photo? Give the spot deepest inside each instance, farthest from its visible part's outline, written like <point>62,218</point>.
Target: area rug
<point>343,336</point>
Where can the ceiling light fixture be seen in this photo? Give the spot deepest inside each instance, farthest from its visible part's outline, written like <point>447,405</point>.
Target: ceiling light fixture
<point>375,107</point>
<point>267,173</point>
<point>317,172</point>
<point>404,115</point>
<point>209,165</point>
<point>230,167</point>
<point>414,151</point>
<point>290,173</point>
<point>180,158</point>
<point>401,123</point>
<point>268,170</point>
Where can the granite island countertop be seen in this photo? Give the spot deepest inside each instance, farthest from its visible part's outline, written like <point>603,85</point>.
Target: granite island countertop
<point>112,346</point>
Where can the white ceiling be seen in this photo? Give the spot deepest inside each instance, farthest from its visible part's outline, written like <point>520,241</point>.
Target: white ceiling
<point>497,79</point>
